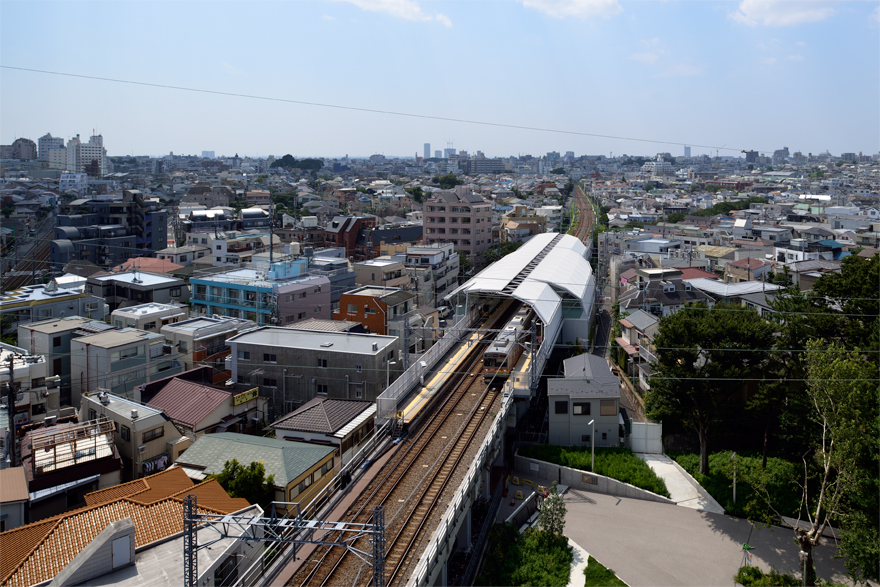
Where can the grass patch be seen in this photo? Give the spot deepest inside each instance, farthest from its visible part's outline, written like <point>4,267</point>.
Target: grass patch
<point>755,577</point>
<point>621,464</point>
<point>532,558</point>
<point>599,576</point>
<point>780,474</point>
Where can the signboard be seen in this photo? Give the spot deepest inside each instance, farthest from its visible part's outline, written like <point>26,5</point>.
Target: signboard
<point>591,479</point>
<point>245,396</point>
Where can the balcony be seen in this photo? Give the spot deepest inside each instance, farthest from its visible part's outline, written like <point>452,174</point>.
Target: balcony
<point>214,299</point>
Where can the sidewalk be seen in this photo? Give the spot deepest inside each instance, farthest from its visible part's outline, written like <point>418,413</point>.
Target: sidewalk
<point>683,489</point>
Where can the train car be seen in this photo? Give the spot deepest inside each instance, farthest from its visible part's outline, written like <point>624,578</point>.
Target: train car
<point>501,356</point>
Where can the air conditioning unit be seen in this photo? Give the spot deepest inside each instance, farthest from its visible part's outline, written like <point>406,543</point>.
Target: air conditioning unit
<point>142,449</point>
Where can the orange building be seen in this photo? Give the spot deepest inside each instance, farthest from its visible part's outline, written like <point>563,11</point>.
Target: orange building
<point>375,307</point>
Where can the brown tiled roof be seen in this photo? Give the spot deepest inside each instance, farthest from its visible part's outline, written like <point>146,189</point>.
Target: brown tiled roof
<point>150,264</point>
<point>188,403</point>
<point>695,272</point>
<point>322,415</point>
<point>37,552</point>
<point>116,492</point>
<point>13,485</point>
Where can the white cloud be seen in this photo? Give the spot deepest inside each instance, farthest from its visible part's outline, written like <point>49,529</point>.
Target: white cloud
<point>782,12</point>
<point>655,42</point>
<point>768,60</point>
<point>682,70</point>
<point>405,9</point>
<point>578,8</point>
<point>804,44</point>
<point>646,58</point>
<point>796,57</point>
<point>876,15</point>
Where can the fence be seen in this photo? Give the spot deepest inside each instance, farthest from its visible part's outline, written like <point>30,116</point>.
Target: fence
<point>444,536</point>
<point>647,438</point>
<point>386,403</point>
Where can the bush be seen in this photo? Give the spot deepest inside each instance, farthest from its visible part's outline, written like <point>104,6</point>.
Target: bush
<point>755,577</point>
<point>531,558</point>
<point>621,464</point>
<point>598,576</point>
<point>780,481</point>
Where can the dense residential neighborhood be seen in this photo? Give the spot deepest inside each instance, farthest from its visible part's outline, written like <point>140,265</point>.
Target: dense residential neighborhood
<point>171,324</point>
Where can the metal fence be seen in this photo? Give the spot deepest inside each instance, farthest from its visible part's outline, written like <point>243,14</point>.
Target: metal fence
<point>386,403</point>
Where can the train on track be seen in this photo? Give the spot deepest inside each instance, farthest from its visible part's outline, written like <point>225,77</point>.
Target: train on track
<point>502,354</point>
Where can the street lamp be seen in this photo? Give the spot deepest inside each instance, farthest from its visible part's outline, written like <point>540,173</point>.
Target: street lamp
<point>592,445</point>
<point>388,372</point>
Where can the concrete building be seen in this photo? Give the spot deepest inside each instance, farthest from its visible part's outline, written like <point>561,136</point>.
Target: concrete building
<point>185,255</point>
<point>119,361</point>
<point>554,216</point>
<point>46,143</point>
<point>383,271</point>
<point>465,212</point>
<point>801,250</point>
<point>21,149</point>
<point>38,396</point>
<point>590,394</point>
<point>343,231</point>
<point>121,290</point>
<point>209,196</point>
<point>51,339</point>
<point>661,292</point>
<point>293,366</point>
<point>433,270</point>
<point>340,273</point>
<point>746,269</point>
<point>377,308</point>
<point>202,340</point>
<point>40,302</point>
<point>146,438</point>
<point>13,498</point>
<point>150,317</point>
<point>521,223</point>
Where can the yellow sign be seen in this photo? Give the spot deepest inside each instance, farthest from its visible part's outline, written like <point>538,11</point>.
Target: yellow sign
<point>519,494</point>
<point>245,396</point>
<point>515,480</point>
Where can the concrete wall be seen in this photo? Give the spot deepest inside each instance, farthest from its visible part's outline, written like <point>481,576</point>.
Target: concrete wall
<point>584,481</point>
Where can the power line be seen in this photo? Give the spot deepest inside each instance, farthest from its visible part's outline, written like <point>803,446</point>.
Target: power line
<point>367,110</point>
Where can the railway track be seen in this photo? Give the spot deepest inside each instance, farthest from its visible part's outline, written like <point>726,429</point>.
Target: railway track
<point>585,215</point>
<point>411,485</point>
<point>21,275</point>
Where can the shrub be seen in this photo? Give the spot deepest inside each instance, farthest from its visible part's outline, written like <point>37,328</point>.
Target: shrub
<point>755,577</point>
<point>532,558</point>
<point>621,464</point>
<point>597,575</point>
<point>780,476</point>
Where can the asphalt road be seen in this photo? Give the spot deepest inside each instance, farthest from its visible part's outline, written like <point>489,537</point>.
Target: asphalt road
<point>650,544</point>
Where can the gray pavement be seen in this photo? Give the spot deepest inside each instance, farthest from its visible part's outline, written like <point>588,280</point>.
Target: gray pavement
<point>648,543</point>
<point>682,490</point>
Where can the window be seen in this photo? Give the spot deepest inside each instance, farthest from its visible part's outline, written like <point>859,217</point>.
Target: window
<point>175,292</point>
<point>182,346</point>
<point>562,407</point>
<point>93,415</point>
<point>304,484</point>
<point>368,310</point>
<point>604,436</point>
<point>301,295</point>
<point>153,434</point>
<point>219,259</point>
<point>301,316</point>
<point>227,572</point>
<point>585,438</point>
<point>317,309</point>
<point>218,247</point>
<point>269,382</point>
<point>270,358</point>
<point>581,409</point>
<point>358,367</point>
<point>56,342</point>
<point>125,433</point>
<point>358,392</point>
<point>150,326</point>
<point>607,407</point>
<point>322,363</point>
<point>322,389</point>
<point>244,355</point>
<point>351,308</point>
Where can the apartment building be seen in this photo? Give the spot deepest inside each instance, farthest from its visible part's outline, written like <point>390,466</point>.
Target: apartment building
<point>291,366</point>
<point>38,395</point>
<point>461,217</point>
<point>119,361</point>
<point>121,289</point>
<point>150,317</point>
<point>343,231</point>
<point>185,255</point>
<point>433,270</point>
<point>145,437</point>
<point>33,303</point>
<point>202,340</point>
<point>377,308</point>
<point>383,271</point>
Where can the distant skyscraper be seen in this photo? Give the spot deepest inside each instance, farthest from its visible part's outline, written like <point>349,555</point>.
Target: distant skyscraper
<point>687,151</point>
<point>751,156</point>
<point>438,154</point>
<point>207,154</point>
<point>46,143</point>
<point>448,151</point>
<point>427,150</point>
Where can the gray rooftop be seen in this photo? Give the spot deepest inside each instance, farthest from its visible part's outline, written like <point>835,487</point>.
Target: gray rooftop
<point>329,342</point>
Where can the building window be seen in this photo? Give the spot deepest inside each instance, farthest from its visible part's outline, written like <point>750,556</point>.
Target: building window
<point>317,309</point>
<point>301,316</point>
<point>244,355</point>
<point>56,342</point>
<point>322,389</point>
<point>301,295</point>
<point>322,363</point>
<point>270,358</point>
<point>93,415</point>
<point>218,247</point>
<point>561,407</point>
<point>607,407</point>
<point>175,292</point>
<point>153,434</point>
<point>604,436</point>
<point>358,367</point>
<point>125,433</point>
<point>358,392</point>
<point>268,382</point>
<point>304,484</point>
<point>150,326</point>
<point>585,438</point>
<point>351,308</point>
<point>580,409</point>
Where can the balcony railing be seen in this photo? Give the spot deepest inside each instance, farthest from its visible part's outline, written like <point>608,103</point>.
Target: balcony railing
<point>214,299</point>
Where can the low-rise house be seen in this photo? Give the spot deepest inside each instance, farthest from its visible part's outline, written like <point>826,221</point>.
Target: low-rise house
<point>160,266</point>
<point>344,424</point>
<point>637,340</point>
<point>197,409</point>
<point>150,317</point>
<point>63,462</point>
<point>146,438</point>
<point>746,269</point>
<point>588,393</point>
<point>118,527</point>
<point>183,256</point>
<point>292,366</point>
<point>13,498</point>
<point>300,470</point>
<point>661,292</point>
<point>383,271</point>
<point>38,395</point>
<point>202,340</point>
<point>375,307</point>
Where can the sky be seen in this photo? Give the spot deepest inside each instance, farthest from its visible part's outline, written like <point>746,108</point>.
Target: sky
<point>580,75</point>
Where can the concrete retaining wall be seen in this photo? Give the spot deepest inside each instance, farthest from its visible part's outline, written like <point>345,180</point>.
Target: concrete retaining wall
<point>582,480</point>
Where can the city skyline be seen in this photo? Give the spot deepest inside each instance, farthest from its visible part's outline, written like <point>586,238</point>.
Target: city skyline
<point>720,77</point>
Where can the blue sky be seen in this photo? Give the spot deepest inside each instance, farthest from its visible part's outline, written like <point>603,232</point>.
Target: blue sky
<point>750,74</point>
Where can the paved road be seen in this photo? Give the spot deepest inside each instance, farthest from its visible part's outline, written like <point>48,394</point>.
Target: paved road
<point>650,544</point>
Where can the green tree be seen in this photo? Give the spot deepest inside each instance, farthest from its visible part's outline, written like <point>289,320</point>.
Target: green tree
<point>551,518</point>
<point>557,171</point>
<point>448,181</point>
<point>249,482</point>
<point>417,193</point>
<point>464,265</point>
<point>675,217</point>
<point>855,292</point>
<point>705,357</point>
<point>499,251</point>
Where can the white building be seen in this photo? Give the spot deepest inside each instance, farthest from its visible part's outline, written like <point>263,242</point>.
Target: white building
<point>553,214</point>
<point>46,143</point>
<point>73,182</point>
<point>37,397</point>
<point>150,317</point>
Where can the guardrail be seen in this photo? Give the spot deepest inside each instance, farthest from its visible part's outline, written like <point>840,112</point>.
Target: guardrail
<point>386,403</point>
<point>444,535</point>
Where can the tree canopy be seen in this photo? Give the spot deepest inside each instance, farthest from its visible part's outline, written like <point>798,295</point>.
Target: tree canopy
<point>249,482</point>
<point>448,181</point>
<point>288,162</point>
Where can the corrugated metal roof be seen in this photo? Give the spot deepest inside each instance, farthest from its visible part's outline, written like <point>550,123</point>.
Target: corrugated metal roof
<point>188,403</point>
<point>13,485</point>
<point>322,415</point>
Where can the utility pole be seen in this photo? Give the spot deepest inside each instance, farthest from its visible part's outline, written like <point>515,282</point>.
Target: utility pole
<point>271,231</point>
<point>11,393</point>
